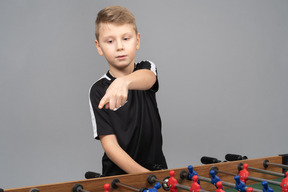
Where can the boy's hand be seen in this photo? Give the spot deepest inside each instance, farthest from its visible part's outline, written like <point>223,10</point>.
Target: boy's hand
<point>116,95</point>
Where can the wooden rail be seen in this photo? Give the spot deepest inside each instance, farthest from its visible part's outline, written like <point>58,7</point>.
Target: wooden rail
<point>140,180</point>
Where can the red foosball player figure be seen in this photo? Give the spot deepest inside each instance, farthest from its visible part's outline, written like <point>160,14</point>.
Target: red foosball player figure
<point>249,189</point>
<point>195,187</point>
<point>243,174</point>
<point>284,183</point>
<point>172,182</point>
<point>107,187</point>
<point>219,186</point>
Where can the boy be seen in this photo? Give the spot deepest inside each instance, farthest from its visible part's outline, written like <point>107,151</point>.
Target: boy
<point>123,105</point>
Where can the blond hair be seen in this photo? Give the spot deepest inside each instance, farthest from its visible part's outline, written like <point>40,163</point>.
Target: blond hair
<point>114,14</point>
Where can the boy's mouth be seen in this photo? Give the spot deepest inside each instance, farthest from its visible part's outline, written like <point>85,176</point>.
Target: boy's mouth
<point>120,57</point>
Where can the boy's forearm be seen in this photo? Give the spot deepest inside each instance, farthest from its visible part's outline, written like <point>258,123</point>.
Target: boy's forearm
<point>119,156</point>
<point>142,79</point>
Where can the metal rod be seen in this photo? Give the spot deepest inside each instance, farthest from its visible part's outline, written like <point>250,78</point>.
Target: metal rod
<point>127,187</point>
<point>204,179</point>
<point>277,165</point>
<point>161,181</point>
<point>224,183</point>
<point>183,187</point>
<point>267,172</point>
<point>259,179</point>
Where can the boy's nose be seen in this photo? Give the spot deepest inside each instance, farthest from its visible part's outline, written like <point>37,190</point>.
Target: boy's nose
<point>120,45</point>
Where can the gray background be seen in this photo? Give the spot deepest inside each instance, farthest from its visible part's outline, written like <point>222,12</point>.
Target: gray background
<point>223,82</point>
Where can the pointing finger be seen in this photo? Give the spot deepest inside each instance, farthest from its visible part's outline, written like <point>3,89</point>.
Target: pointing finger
<point>103,102</point>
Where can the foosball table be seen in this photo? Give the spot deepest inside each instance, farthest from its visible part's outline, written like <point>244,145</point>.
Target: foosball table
<point>214,175</point>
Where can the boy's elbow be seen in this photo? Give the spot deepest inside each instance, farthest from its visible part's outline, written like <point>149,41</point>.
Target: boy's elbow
<point>151,80</point>
<point>108,142</point>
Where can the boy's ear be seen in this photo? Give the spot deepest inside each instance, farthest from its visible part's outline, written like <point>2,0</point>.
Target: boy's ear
<point>98,48</point>
<point>138,41</point>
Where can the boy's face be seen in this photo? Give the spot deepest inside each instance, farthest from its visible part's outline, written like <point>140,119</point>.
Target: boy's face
<point>118,43</point>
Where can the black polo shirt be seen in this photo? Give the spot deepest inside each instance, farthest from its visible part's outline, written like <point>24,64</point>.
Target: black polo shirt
<point>137,124</point>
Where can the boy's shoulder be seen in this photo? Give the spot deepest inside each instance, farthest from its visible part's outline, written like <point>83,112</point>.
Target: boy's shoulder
<point>101,84</point>
<point>146,64</point>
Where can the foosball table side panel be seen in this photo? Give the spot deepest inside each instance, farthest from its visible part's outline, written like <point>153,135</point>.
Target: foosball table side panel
<point>140,180</point>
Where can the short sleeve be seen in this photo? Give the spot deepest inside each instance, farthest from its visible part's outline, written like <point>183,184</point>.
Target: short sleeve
<point>100,118</point>
<point>150,66</point>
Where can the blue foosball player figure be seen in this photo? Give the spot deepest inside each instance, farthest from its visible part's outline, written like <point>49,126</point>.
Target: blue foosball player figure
<point>239,185</point>
<point>191,173</point>
<point>156,186</point>
<point>214,178</point>
<point>266,188</point>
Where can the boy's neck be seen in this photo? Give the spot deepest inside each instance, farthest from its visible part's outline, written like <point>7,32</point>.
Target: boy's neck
<point>121,72</point>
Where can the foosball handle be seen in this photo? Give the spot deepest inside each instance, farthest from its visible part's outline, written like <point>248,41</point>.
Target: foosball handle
<point>92,175</point>
<point>234,157</point>
<point>209,160</point>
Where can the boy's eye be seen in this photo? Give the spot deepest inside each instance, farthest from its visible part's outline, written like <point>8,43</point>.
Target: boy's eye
<point>126,38</point>
<point>109,41</point>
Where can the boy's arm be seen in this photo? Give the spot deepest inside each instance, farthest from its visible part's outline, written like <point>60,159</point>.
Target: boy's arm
<point>119,156</point>
<point>117,93</point>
